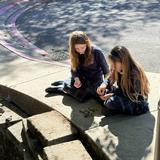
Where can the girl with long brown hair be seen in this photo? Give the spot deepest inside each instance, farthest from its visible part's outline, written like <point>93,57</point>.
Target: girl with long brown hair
<point>88,67</point>
<point>130,95</point>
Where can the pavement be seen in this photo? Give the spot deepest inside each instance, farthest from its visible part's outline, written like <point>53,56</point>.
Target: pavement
<point>26,70</point>
<point>134,24</point>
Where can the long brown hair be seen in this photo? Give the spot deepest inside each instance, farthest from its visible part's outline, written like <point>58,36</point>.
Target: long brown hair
<point>79,37</point>
<point>131,72</point>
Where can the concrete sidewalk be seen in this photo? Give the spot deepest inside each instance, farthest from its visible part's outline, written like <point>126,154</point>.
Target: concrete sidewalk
<point>23,83</point>
<point>114,137</point>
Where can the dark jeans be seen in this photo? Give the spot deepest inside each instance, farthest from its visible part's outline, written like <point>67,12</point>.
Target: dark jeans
<point>85,92</point>
<point>121,104</point>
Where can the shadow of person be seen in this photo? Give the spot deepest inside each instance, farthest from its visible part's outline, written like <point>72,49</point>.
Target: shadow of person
<point>81,114</point>
<point>134,135</point>
<point>53,94</point>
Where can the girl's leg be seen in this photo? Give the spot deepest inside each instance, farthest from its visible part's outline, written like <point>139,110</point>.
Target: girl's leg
<point>92,88</point>
<point>112,106</point>
<point>55,89</point>
<point>57,83</point>
<point>81,94</point>
<point>117,104</point>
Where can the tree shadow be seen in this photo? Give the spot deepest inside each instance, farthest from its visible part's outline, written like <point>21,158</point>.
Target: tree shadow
<point>105,18</point>
<point>6,60</point>
<point>134,134</point>
<point>107,23</point>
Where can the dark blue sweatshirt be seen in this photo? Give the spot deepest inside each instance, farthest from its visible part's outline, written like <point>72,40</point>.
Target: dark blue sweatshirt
<point>95,71</point>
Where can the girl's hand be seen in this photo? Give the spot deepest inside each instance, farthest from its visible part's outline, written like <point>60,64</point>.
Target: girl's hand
<point>101,89</point>
<point>77,82</point>
<point>106,96</point>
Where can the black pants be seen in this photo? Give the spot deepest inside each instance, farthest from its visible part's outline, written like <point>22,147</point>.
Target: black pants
<point>122,104</point>
<point>85,92</point>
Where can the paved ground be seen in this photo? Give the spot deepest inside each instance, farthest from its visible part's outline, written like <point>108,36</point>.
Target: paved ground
<point>115,136</point>
<point>135,24</point>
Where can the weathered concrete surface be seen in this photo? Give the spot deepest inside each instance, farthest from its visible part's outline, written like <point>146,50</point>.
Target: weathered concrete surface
<point>34,148</point>
<point>132,138</point>
<point>9,117</point>
<point>31,78</point>
<point>51,128</point>
<point>134,24</point>
<point>75,112</point>
<point>86,115</point>
<point>28,71</point>
<point>27,104</point>
<point>11,37</point>
<point>16,134</point>
<point>8,149</point>
<point>35,84</point>
<point>70,107</point>
<point>67,151</point>
<point>10,138</point>
<point>20,71</point>
<point>45,129</point>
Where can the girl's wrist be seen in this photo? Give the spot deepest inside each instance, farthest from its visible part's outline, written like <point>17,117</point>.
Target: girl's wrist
<point>105,82</point>
<point>76,78</point>
<point>103,85</point>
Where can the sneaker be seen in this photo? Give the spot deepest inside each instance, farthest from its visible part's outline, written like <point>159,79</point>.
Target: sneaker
<point>54,89</point>
<point>57,83</point>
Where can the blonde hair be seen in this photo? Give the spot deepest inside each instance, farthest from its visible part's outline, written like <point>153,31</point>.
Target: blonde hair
<point>131,72</point>
<point>79,37</point>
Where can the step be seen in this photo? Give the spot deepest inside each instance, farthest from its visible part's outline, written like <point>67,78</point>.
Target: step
<point>15,132</point>
<point>131,138</point>
<point>9,117</point>
<point>27,104</point>
<point>51,128</point>
<point>11,131</point>
<point>33,147</point>
<point>66,151</point>
<point>10,148</point>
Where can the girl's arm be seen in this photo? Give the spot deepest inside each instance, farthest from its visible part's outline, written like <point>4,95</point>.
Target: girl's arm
<point>103,63</point>
<point>109,78</point>
<point>74,74</point>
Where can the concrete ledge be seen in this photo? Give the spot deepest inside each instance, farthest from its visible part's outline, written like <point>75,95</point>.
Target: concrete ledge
<point>131,139</point>
<point>74,110</point>
<point>9,117</point>
<point>34,147</point>
<point>51,128</point>
<point>11,147</point>
<point>67,151</point>
<point>15,132</point>
<point>26,103</point>
<point>94,124</point>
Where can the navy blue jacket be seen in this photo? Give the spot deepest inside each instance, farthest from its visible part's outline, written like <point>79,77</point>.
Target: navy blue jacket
<point>95,71</point>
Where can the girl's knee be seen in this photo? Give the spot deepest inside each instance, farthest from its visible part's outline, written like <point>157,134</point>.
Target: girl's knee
<point>109,103</point>
<point>106,104</point>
